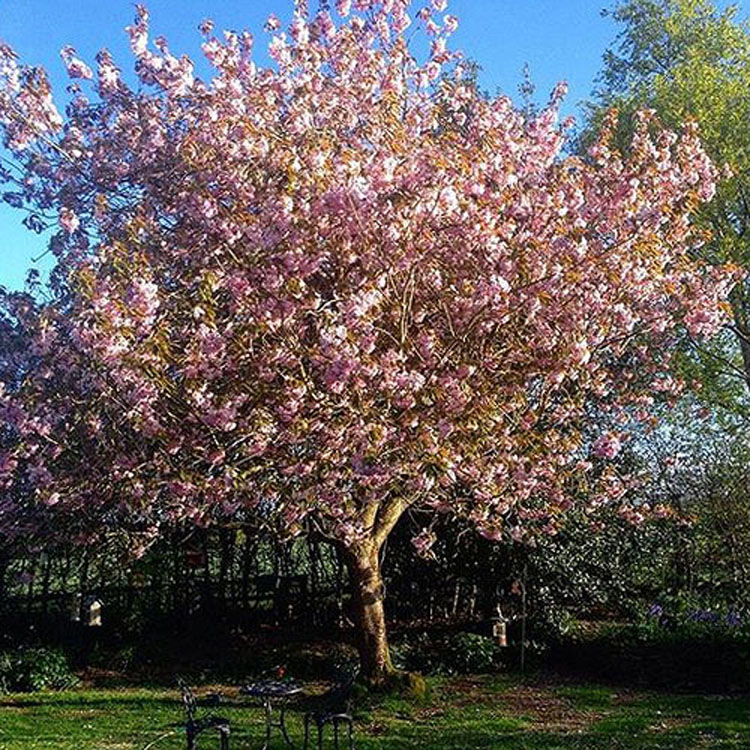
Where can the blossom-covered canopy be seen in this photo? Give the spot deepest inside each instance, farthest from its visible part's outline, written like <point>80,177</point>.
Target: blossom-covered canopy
<point>334,288</point>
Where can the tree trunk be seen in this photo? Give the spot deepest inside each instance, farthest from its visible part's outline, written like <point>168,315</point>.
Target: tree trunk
<point>739,301</point>
<point>366,581</point>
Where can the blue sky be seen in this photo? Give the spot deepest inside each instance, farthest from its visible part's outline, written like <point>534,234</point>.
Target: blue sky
<point>559,39</point>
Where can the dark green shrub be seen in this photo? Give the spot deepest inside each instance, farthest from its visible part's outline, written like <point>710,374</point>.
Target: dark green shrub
<point>414,651</point>
<point>28,670</point>
<point>338,658</point>
<point>695,655</point>
<point>468,653</point>
<point>457,653</point>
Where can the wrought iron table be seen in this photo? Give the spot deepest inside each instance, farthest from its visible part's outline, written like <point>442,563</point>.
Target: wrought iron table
<point>270,691</point>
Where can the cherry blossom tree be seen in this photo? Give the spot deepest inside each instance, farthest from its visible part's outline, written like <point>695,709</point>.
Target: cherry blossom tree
<point>329,291</point>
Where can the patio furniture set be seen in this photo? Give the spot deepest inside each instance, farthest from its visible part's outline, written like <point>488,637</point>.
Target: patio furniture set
<point>331,708</point>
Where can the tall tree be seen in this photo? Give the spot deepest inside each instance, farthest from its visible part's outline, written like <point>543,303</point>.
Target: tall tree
<point>688,59</point>
<point>326,292</point>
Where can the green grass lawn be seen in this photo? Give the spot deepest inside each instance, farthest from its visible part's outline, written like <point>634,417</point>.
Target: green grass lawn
<point>461,713</point>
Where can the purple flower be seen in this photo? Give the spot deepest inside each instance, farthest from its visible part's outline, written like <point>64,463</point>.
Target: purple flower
<point>703,615</point>
<point>655,610</point>
<point>733,618</point>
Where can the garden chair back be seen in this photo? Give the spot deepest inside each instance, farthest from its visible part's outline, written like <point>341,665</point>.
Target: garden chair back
<point>195,725</point>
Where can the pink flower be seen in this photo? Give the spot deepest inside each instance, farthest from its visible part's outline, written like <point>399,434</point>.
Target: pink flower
<point>108,74</point>
<point>52,499</point>
<point>607,445</point>
<point>68,220</point>
<point>76,68</point>
<point>493,533</point>
<point>144,299</point>
<point>300,32</point>
<point>451,23</point>
<point>138,32</point>
<point>401,22</point>
<point>216,457</point>
<point>559,92</point>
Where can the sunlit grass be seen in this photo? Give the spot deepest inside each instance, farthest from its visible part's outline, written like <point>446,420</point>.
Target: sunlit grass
<point>460,713</point>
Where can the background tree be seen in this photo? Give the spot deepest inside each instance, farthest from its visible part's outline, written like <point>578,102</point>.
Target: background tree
<point>688,59</point>
<point>324,293</point>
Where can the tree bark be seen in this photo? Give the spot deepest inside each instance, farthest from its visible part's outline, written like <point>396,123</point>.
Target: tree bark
<point>738,299</point>
<point>363,564</point>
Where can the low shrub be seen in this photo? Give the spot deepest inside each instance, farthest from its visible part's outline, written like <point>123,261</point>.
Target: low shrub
<point>468,653</point>
<point>700,652</point>
<point>446,654</point>
<point>28,670</point>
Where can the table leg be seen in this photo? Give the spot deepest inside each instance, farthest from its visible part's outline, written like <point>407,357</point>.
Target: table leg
<point>269,722</point>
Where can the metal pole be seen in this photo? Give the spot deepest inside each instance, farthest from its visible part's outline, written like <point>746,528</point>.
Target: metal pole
<point>523,616</point>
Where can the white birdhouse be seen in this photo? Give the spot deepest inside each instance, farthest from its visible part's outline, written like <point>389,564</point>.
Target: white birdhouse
<point>499,629</point>
<point>93,613</point>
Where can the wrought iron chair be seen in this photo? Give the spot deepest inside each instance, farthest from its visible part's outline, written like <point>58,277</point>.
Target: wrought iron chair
<point>195,725</point>
<point>332,707</point>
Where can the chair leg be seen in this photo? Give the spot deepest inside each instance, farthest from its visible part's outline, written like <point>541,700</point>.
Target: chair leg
<point>282,726</point>
<point>320,735</point>
<point>190,740</point>
<point>224,736</point>
<point>307,732</point>
<point>268,710</point>
<point>350,729</point>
